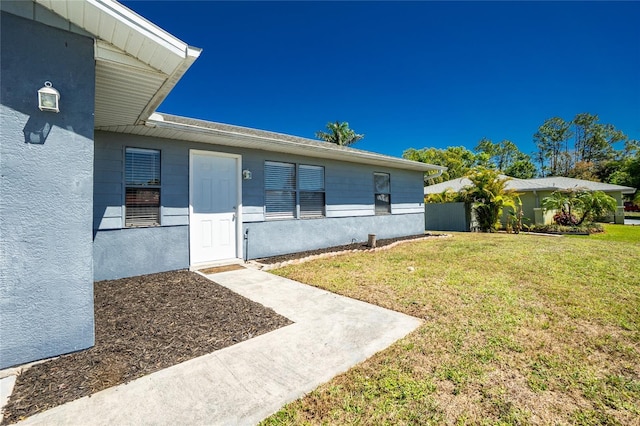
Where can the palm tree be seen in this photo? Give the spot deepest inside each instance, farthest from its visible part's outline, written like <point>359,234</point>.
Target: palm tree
<point>579,205</point>
<point>596,204</point>
<point>446,196</point>
<point>340,134</point>
<point>489,195</point>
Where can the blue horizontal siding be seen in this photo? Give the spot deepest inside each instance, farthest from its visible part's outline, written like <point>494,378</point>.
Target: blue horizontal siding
<point>349,197</point>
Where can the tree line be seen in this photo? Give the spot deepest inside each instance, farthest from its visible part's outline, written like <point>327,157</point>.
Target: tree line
<point>581,148</point>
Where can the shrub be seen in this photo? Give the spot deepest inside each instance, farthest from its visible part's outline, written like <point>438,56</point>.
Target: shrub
<point>565,219</point>
<point>587,205</point>
<point>488,195</point>
<point>586,227</point>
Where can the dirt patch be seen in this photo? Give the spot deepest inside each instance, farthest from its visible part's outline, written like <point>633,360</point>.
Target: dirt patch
<point>143,324</point>
<point>346,247</point>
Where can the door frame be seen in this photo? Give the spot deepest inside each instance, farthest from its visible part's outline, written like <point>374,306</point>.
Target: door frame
<point>238,160</point>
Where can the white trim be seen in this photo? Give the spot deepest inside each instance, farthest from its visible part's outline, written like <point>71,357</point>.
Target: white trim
<point>141,25</point>
<point>239,236</point>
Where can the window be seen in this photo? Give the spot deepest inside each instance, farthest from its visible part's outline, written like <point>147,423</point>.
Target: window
<point>288,186</point>
<point>142,187</point>
<point>280,187</point>
<point>382,192</point>
<point>311,184</point>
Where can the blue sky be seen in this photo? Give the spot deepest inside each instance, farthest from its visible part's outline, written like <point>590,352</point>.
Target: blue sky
<point>406,74</point>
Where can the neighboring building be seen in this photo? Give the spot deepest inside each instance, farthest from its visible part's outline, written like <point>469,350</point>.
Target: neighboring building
<point>107,188</point>
<point>558,182</point>
<point>532,192</point>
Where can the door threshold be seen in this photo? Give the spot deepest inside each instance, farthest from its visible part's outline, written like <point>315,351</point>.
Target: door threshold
<point>216,264</point>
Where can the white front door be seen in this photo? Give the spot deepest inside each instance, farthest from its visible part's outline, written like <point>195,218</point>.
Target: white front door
<point>213,207</point>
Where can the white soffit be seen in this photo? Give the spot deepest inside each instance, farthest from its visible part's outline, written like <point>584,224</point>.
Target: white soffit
<point>137,63</point>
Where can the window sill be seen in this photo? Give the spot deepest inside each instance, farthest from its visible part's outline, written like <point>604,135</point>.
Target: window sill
<point>277,219</point>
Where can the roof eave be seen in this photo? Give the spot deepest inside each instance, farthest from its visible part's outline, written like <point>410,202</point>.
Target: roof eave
<point>192,54</point>
<point>138,46</point>
<point>267,143</point>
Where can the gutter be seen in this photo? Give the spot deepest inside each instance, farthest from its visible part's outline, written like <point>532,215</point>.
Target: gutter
<point>438,173</point>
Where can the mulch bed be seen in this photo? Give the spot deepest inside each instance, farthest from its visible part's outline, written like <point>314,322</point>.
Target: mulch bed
<point>143,324</point>
<point>354,246</point>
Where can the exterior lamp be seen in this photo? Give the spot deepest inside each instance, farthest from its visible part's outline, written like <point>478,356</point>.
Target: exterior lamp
<point>48,98</point>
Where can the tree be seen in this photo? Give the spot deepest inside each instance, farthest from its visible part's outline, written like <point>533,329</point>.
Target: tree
<point>577,205</point>
<point>625,170</point>
<point>501,155</point>
<point>457,159</point>
<point>595,204</point>
<point>446,196</point>
<point>594,141</point>
<point>488,195</point>
<point>339,134</point>
<point>505,157</point>
<point>522,168</point>
<point>565,203</point>
<point>552,141</point>
<point>586,170</point>
<point>583,124</point>
<point>593,155</point>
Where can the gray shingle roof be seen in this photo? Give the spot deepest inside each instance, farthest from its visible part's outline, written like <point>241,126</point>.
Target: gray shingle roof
<point>560,182</point>
<point>540,184</point>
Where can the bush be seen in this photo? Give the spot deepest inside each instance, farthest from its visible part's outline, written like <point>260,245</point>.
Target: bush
<point>565,219</point>
<point>589,228</point>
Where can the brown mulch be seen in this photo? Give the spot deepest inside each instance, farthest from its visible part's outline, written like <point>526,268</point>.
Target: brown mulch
<point>353,246</point>
<point>143,324</point>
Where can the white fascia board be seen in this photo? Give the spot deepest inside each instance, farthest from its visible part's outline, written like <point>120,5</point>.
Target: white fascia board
<point>167,87</point>
<point>141,25</point>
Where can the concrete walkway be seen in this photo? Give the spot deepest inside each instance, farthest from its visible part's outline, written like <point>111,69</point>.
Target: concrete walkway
<point>244,383</point>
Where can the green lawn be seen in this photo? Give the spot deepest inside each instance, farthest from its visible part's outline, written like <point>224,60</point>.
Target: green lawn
<point>519,329</point>
<point>619,233</point>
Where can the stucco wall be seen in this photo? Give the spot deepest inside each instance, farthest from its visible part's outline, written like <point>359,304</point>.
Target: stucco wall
<point>46,196</point>
<point>447,217</point>
<point>123,253</point>
<point>349,194</point>
<point>281,237</point>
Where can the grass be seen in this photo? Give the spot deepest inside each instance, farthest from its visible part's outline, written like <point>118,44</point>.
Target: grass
<point>519,329</point>
<point>620,233</point>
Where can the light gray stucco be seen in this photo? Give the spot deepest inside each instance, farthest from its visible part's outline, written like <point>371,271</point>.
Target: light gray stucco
<point>118,251</point>
<point>46,163</point>
<point>272,238</point>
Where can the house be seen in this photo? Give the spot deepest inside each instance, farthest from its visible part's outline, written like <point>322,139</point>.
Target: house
<point>108,188</point>
<point>532,192</point>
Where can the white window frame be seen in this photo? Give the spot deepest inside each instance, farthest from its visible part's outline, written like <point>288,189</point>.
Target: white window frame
<point>299,188</point>
<point>381,192</point>
<point>312,188</point>
<point>278,188</point>
<point>153,186</point>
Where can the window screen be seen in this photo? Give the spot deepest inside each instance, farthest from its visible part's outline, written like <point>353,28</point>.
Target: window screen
<point>311,190</point>
<point>382,193</point>
<point>142,187</point>
<point>280,190</point>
